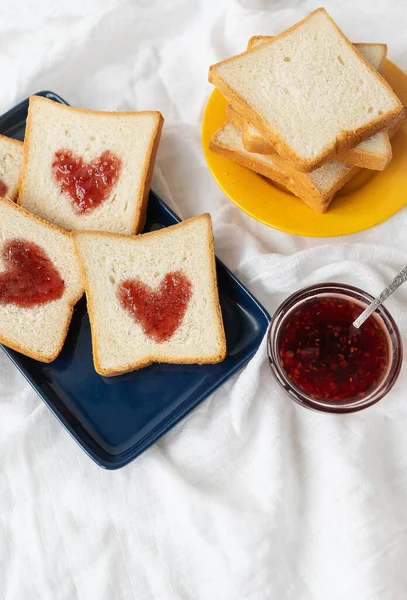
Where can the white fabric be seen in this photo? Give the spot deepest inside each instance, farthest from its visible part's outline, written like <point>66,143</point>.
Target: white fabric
<point>250,496</point>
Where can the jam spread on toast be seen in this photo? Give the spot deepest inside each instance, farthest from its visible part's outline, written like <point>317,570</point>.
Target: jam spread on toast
<point>3,188</point>
<point>325,356</point>
<point>159,311</point>
<point>29,278</point>
<point>87,184</point>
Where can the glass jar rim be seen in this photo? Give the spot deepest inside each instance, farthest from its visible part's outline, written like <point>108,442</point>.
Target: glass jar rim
<point>352,293</point>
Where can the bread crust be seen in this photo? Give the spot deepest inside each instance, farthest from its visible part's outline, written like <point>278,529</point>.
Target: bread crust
<point>148,170</point>
<point>256,40</point>
<point>21,146</point>
<point>149,359</point>
<point>47,358</point>
<point>239,122</point>
<point>301,180</point>
<point>366,159</point>
<point>345,140</point>
<point>148,166</point>
<point>255,144</point>
<point>352,156</point>
<point>251,163</point>
<point>12,140</point>
<point>397,123</point>
<point>297,183</point>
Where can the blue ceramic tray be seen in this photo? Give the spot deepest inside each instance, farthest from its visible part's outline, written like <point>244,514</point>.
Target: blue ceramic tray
<point>115,419</point>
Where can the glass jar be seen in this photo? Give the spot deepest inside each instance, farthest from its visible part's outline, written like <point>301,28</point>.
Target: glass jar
<point>295,305</point>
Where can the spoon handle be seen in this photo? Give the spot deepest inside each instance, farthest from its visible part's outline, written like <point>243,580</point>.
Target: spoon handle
<point>400,278</point>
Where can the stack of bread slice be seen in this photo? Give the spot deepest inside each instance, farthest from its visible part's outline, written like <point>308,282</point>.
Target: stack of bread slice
<point>83,180</point>
<point>308,109</point>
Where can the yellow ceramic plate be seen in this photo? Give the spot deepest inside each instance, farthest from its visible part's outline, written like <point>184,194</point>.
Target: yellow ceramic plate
<point>369,199</point>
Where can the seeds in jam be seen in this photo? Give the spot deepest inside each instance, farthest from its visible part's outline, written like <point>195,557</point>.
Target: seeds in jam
<point>30,277</point>
<point>325,356</point>
<point>160,312</point>
<point>87,184</point>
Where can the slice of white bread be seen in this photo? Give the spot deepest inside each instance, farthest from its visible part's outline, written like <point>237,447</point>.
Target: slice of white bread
<point>316,189</point>
<point>320,185</point>
<point>376,54</point>
<point>131,137</point>
<point>306,91</point>
<point>121,342</point>
<point>373,153</point>
<point>227,141</point>
<point>11,162</point>
<point>38,331</point>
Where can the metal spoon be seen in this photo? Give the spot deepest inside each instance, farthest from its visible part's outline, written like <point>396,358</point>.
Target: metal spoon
<point>400,278</point>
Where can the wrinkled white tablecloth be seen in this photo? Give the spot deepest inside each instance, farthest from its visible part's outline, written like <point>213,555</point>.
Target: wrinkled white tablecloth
<point>250,496</point>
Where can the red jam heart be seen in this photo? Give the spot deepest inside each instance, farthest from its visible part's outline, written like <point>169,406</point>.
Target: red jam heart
<point>30,277</point>
<point>159,312</point>
<point>3,188</point>
<point>87,184</point>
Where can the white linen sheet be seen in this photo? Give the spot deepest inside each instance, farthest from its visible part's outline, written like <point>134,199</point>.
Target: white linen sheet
<point>250,496</point>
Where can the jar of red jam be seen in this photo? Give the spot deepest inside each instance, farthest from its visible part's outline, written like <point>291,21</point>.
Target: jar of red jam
<point>322,361</point>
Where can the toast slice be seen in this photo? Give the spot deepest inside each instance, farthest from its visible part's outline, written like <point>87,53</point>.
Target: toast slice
<point>376,54</point>
<point>321,184</point>
<point>89,170</point>
<point>40,283</point>
<point>316,189</point>
<point>11,161</point>
<point>373,153</point>
<point>287,98</point>
<point>152,298</point>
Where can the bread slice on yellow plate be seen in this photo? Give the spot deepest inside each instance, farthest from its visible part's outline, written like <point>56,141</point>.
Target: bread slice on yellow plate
<point>373,153</point>
<point>40,283</point>
<point>316,189</point>
<point>87,169</point>
<point>153,297</point>
<point>302,90</point>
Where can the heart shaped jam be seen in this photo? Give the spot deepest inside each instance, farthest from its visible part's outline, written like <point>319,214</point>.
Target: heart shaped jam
<point>160,312</point>
<point>30,277</point>
<point>87,184</point>
<point>3,188</point>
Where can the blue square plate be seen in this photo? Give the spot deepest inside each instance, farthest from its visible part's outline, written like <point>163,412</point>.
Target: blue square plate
<point>115,419</point>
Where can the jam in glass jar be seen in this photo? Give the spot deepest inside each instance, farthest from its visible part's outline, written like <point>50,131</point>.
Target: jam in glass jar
<point>322,361</point>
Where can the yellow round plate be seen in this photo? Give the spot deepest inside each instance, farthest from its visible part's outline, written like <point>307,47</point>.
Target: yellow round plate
<point>369,199</point>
